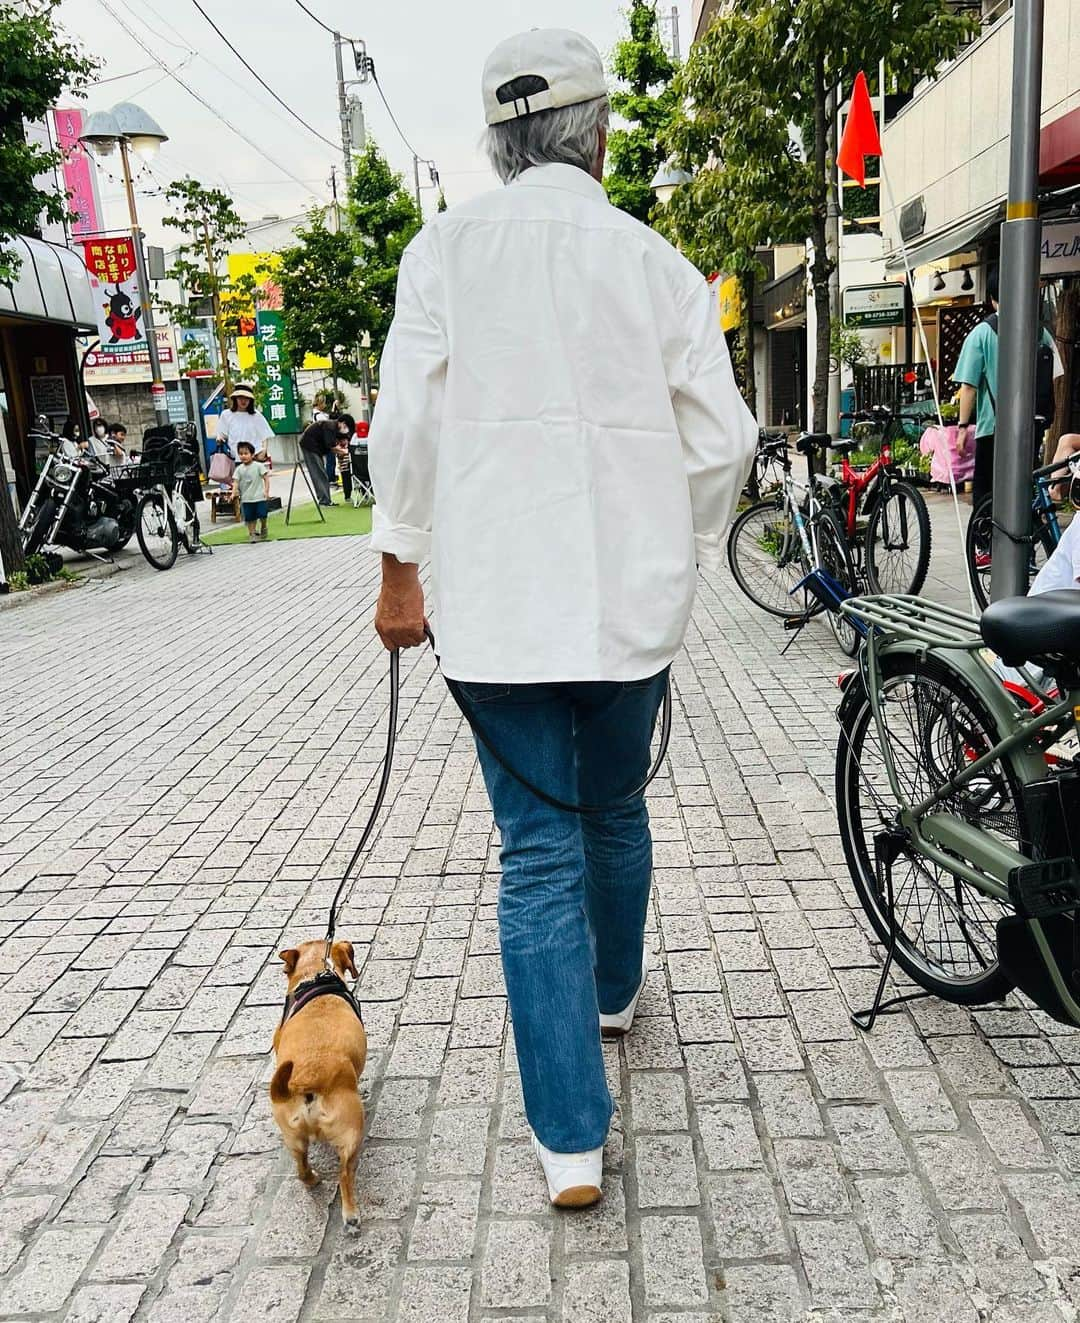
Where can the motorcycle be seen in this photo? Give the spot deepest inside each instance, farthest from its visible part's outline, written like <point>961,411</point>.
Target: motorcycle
<point>76,502</point>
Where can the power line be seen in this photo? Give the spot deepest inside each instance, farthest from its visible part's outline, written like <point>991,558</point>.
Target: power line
<point>316,19</point>
<point>262,81</point>
<point>393,117</point>
<point>203,101</point>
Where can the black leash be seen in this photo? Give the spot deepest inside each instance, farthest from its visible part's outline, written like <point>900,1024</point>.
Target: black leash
<point>481,735</point>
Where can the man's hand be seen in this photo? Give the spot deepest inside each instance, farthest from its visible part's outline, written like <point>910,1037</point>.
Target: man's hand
<point>399,616</point>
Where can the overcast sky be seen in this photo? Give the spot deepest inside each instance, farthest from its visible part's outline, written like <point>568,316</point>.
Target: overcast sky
<point>428,55</point>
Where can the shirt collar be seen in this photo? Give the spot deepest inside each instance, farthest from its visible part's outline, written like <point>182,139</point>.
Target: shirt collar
<point>567,177</point>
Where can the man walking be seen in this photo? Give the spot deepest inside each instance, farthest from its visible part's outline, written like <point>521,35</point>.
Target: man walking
<point>560,431</point>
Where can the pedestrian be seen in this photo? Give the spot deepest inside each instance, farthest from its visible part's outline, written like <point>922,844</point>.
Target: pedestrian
<point>100,445</point>
<point>242,421</point>
<point>559,429</point>
<point>976,373</point>
<point>328,437</point>
<point>117,436</point>
<point>251,482</point>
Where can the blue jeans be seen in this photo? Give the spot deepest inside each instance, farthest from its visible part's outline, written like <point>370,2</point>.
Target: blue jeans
<point>575,889</point>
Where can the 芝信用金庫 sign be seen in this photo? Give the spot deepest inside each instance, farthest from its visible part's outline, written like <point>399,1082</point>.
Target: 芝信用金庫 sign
<point>279,394</point>
<point>110,264</point>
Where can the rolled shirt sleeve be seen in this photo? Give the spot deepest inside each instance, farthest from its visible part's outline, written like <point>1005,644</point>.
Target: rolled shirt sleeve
<point>717,430</point>
<point>403,446</point>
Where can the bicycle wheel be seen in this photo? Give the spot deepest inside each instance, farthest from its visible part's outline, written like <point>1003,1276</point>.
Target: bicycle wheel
<point>155,528</point>
<point>766,558</point>
<point>834,556</point>
<point>979,540</point>
<point>898,541</point>
<point>936,725</point>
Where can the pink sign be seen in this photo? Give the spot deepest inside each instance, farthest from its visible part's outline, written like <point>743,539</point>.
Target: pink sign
<point>79,180</point>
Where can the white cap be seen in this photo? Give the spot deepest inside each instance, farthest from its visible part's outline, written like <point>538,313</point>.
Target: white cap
<point>565,67</point>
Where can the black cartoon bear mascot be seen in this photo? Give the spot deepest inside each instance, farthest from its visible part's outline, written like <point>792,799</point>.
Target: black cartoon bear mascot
<point>123,318</point>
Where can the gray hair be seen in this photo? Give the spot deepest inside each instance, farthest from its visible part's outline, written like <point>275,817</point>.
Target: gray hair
<point>568,135</point>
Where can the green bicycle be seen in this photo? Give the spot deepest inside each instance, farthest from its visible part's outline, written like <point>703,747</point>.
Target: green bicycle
<point>958,804</point>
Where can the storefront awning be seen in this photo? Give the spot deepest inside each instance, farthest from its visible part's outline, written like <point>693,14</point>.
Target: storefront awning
<point>1059,151</point>
<point>955,239</point>
<point>51,286</point>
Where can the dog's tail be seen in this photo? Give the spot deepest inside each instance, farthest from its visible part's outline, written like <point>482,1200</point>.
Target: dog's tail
<point>279,1084</point>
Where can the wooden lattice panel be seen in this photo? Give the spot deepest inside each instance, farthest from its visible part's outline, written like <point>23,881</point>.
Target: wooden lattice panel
<point>954,326</point>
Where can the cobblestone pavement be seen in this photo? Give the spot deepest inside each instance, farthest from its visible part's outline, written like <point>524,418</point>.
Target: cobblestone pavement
<point>167,746</point>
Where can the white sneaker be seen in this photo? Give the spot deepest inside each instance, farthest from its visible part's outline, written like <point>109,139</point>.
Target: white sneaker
<point>615,1026</point>
<point>573,1179</point>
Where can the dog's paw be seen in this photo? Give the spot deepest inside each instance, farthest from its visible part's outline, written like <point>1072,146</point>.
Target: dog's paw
<point>311,1179</point>
<point>350,1217</point>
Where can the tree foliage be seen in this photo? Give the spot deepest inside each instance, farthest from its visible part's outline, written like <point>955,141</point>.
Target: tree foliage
<point>384,217</point>
<point>641,64</point>
<point>38,64</point>
<point>324,310</point>
<point>209,228</point>
<point>761,67</point>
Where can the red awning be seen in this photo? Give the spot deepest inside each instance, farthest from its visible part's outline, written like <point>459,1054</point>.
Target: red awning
<point>1059,151</point>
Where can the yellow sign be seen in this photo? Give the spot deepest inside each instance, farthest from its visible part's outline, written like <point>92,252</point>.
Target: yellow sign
<point>261,268</point>
<point>730,299</point>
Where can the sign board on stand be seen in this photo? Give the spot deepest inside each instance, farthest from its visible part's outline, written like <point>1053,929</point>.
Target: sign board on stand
<point>280,404</point>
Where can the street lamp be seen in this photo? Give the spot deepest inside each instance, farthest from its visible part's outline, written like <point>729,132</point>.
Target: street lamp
<point>666,180</point>
<point>130,128</point>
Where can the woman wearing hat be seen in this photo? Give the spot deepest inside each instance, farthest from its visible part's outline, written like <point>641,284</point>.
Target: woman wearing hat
<point>241,421</point>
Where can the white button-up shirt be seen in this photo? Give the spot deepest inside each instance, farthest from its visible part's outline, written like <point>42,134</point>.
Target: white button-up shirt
<point>559,429</point>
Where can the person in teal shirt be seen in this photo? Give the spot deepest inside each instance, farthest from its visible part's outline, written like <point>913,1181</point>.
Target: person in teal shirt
<point>976,374</point>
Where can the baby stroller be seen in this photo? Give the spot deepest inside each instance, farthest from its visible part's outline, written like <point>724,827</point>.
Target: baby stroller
<point>362,492</point>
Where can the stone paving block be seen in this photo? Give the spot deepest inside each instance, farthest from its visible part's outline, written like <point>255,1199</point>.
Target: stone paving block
<point>836,1264</point>
<point>360,1275</point>
<point>385,1179</point>
<point>921,1100</point>
<point>446,1218</point>
<point>998,1258</point>
<point>400,1110</point>
<point>1051,1207</point>
<point>435,1295</point>
<point>112,1303</point>
<point>762,1293</point>
<point>658,1101</point>
<point>728,1134</point>
<point>745,1215</point>
<point>788,1106</point>
<point>959,1171</point>
<point>515,1270</point>
<point>811,1177</point>
<point>602,1228</point>
<point>934,1290</point>
<point>666,1172</point>
<point>867,1139</point>
<point>188,1154</point>
<point>598,1292</point>
<point>459,1141</point>
<point>239,1184</point>
<point>674,1268</point>
<point>97,1196</point>
<point>49,1273</point>
<point>19,1216</point>
<point>769,1045</point>
<point>1012,1138</point>
<point>139,1241</point>
<point>701,1018</point>
<point>274,1294</point>
<point>902,1223</point>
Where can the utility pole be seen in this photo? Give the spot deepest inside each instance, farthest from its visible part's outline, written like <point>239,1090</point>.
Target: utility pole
<point>215,308</point>
<point>343,111</point>
<point>832,248</point>
<point>416,183</point>
<point>1019,322</point>
<point>676,52</point>
<point>333,194</point>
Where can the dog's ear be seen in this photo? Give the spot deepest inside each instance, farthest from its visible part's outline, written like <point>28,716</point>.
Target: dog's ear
<point>291,959</point>
<point>342,953</point>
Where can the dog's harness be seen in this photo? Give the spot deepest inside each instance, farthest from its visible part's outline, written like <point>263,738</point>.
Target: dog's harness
<point>326,984</point>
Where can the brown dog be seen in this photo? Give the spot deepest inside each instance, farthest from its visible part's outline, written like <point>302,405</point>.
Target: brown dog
<point>321,1047</point>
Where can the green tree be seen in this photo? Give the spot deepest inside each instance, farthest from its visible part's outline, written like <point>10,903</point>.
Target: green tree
<point>325,310</point>
<point>209,227</point>
<point>767,64</point>
<point>384,217</point>
<point>641,64</point>
<point>37,65</point>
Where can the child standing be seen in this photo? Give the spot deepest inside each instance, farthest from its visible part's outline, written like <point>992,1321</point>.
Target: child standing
<point>251,482</point>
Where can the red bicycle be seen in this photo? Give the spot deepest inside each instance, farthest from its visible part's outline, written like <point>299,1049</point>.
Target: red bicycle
<point>885,519</point>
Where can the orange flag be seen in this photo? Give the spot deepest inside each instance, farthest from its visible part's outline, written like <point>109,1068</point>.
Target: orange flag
<point>860,134</point>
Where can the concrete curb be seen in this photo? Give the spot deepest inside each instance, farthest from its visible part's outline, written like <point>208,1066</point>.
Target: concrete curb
<point>11,600</point>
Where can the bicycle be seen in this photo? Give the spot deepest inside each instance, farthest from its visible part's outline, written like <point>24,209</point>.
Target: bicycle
<point>1045,530</point>
<point>959,810</point>
<point>789,550</point>
<point>885,518</point>
<point>767,475</point>
<point>165,517</point>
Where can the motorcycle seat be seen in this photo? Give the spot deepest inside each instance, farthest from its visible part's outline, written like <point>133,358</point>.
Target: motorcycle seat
<point>1043,627</point>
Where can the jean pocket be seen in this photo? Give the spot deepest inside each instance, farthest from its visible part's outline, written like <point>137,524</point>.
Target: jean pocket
<point>478,694</point>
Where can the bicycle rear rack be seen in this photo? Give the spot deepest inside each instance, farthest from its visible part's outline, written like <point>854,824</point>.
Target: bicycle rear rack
<point>917,619</point>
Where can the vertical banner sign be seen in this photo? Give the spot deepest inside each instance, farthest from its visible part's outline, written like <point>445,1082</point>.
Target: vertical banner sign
<point>80,182</point>
<point>111,267</point>
<point>280,405</point>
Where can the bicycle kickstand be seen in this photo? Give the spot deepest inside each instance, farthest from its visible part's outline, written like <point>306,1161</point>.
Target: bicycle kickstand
<point>887,846</point>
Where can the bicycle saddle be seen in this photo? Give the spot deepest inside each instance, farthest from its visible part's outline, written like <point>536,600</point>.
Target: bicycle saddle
<point>1046,626</point>
<point>845,445</point>
<point>812,442</point>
